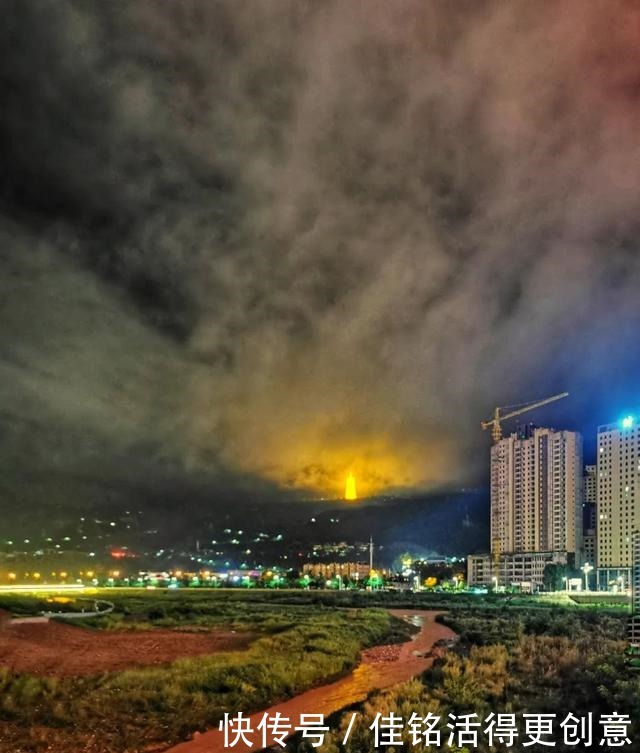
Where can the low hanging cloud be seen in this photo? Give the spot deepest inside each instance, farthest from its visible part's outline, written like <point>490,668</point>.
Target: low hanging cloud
<point>288,240</point>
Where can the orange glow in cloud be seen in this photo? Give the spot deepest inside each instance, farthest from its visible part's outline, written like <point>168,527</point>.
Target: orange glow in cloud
<point>350,467</point>
<point>310,445</point>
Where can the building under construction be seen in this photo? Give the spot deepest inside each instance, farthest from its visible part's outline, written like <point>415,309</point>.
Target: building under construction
<point>536,501</point>
<point>536,492</point>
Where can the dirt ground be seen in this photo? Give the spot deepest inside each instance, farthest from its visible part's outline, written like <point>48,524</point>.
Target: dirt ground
<point>52,648</point>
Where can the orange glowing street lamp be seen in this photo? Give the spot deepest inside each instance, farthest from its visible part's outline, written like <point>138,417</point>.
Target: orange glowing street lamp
<point>350,488</point>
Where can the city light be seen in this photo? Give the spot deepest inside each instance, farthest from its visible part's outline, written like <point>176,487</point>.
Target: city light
<point>627,422</point>
<point>586,569</point>
<point>42,588</point>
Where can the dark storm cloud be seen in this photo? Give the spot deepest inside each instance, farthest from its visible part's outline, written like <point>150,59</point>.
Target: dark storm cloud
<point>287,238</point>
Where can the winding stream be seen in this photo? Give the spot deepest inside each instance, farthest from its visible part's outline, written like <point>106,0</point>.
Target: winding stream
<point>375,672</point>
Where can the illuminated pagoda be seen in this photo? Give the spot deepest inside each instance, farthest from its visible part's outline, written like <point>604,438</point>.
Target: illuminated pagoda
<point>350,488</point>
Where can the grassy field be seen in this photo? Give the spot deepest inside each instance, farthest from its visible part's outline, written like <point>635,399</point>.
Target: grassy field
<point>303,638</point>
<point>297,645</point>
<point>510,661</point>
<point>135,605</point>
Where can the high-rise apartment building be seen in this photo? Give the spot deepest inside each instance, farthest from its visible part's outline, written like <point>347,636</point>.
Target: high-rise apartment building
<point>635,579</point>
<point>589,514</point>
<point>536,492</point>
<point>634,621</point>
<point>618,511</point>
<point>591,484</point>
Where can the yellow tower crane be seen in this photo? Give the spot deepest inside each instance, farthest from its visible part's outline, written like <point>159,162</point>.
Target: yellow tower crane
<point>515,410</point>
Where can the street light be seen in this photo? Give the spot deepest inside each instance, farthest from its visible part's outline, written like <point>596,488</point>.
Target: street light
<point>586,569</point>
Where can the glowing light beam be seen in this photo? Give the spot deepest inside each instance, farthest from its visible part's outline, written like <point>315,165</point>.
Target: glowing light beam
<point>350,488</point>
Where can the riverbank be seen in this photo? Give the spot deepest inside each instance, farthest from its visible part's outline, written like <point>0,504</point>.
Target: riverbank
<point>379,668</point>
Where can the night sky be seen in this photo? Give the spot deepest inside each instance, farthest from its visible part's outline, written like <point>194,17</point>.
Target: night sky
<point>246,246</point>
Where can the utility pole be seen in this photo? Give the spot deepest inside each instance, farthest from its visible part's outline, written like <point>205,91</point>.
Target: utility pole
<point>370,554</point>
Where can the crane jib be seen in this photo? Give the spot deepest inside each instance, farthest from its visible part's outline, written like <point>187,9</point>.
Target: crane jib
<point>498,417</point>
